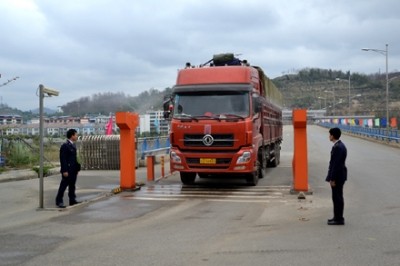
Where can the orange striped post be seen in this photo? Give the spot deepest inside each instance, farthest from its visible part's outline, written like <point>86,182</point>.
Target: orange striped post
<point>162,167</point>
<point>127,122</point>
<point>300,157</point>
<point>150,167</point>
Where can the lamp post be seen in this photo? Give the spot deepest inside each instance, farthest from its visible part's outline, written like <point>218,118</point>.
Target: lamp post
<point>322,98</point>
<point>8,81</point>
<point>333,105</point>
<point>385,53</point>
<point>338,79</point>
<point>49,92</point>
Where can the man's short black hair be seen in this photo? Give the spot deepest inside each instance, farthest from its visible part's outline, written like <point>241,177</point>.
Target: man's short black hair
<point>335,132</point>
<point>70,133</point>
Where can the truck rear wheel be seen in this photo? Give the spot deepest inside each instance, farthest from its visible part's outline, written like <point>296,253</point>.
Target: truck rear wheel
<point>277,156</point>
<point>188,178</point>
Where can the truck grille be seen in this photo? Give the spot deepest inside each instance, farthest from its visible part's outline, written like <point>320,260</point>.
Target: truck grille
<point>220,140</point>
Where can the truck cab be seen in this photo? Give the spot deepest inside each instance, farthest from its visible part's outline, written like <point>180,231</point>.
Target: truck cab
<point>217,123</point>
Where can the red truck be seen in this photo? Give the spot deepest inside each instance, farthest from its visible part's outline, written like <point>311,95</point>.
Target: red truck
<point>225,119</point>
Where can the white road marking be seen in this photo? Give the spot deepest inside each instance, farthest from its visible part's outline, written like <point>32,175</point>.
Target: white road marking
<point>174,192</point>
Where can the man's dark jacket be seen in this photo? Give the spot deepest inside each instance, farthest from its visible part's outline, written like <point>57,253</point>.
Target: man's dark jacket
<point>68,159</point>
<point>337,169</point>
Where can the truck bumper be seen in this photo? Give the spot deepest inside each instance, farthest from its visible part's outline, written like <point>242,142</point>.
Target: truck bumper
<point>241,162</point>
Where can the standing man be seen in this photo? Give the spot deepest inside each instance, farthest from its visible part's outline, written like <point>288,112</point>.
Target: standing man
<point>337,175</point>
<point>69,169</point>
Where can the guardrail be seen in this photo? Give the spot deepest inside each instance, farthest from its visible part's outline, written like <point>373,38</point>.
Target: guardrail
<point>102,152</point>
<point>389,135</point>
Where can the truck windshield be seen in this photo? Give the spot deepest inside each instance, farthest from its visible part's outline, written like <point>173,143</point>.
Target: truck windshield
<point>204,105</point>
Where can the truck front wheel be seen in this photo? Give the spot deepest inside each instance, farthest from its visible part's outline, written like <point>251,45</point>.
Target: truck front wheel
<point>252,179</point>
<point>188,178</point>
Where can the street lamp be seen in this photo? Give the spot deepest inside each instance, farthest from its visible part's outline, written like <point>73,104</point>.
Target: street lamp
<point>8,81</point>
<point>385,53</point>
<point>333,105</point>
<point>43,91</point>
<point>322,98</point>
<point>338,79</point>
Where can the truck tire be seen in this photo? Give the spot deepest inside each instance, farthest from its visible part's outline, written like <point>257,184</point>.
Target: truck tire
<point>263,164</point>
<point>277,156</point>
<point>252,179</point>
<point>188,178</point>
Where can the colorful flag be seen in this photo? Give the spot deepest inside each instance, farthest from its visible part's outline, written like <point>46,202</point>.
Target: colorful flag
<point>383,122</point>
<point>109,126</point>
<point>377,122</point>
<point>393,122</point>
<point>157,125</point>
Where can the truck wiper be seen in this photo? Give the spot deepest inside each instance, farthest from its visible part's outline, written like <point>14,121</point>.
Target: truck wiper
<point>186,117</point>
<point>208,117</point>
<point>231,116</point>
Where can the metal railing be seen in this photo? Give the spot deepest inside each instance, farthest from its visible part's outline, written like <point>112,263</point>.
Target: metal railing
<point>389,135</point>
<point>102,152</point>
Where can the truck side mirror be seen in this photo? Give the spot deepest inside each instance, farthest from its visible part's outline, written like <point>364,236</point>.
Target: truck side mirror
<point>167,106</point>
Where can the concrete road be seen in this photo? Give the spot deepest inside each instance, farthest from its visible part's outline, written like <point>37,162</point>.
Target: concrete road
<point>166,223</point>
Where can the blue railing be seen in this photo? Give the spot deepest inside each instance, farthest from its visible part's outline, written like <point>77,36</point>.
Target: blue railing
<point>151,146</point>
<point>376,133</point>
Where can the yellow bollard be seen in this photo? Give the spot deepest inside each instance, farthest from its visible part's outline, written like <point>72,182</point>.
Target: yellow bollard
<point>150,167</point>
<point>162,167</point>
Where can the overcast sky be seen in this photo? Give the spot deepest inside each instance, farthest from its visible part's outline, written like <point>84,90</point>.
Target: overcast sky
<point>82,47</point>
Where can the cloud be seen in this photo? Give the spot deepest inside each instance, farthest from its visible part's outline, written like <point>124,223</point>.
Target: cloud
<point>86,47</point>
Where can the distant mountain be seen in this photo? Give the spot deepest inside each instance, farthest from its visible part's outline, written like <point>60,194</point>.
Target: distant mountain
<point>309,88</point>
<point>111,102</point>
<point>314,88</point>
<point>47,111</point>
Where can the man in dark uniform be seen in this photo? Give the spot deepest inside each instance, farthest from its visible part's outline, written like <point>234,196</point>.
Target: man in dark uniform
<point>337,175</point>
<point>69,169</point>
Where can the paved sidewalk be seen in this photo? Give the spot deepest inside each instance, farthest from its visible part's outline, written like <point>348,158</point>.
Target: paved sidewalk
<point>20,196</point>
<point>23,174</point>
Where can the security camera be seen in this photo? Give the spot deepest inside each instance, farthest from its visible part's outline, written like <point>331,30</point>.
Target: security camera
<point>48,91</point>
<point>51,92</point>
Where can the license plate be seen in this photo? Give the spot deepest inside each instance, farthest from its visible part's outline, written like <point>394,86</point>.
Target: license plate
<point>208,161</point>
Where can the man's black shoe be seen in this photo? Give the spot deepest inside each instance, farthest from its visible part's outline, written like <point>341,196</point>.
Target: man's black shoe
<point>61,205</point>
<point>74,203</point>
<point>334,222</point>
<point>331,220</point>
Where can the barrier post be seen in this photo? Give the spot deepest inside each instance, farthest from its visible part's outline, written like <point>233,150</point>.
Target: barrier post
<point>127,122</point>
<point>300,154</point>
<point>162,167</point>
<point>150,160</point>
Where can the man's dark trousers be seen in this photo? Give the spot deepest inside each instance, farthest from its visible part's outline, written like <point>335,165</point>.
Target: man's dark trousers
<point>69,182</point>
<point>338,202</point>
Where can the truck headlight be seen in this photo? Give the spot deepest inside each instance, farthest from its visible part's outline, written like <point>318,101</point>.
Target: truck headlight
<point>244,158</point>
<point>175,158</point>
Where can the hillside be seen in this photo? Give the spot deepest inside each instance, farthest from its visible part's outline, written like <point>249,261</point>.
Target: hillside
<point>310,88</point>
<point>105,103</point>
<point>317,88</point>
